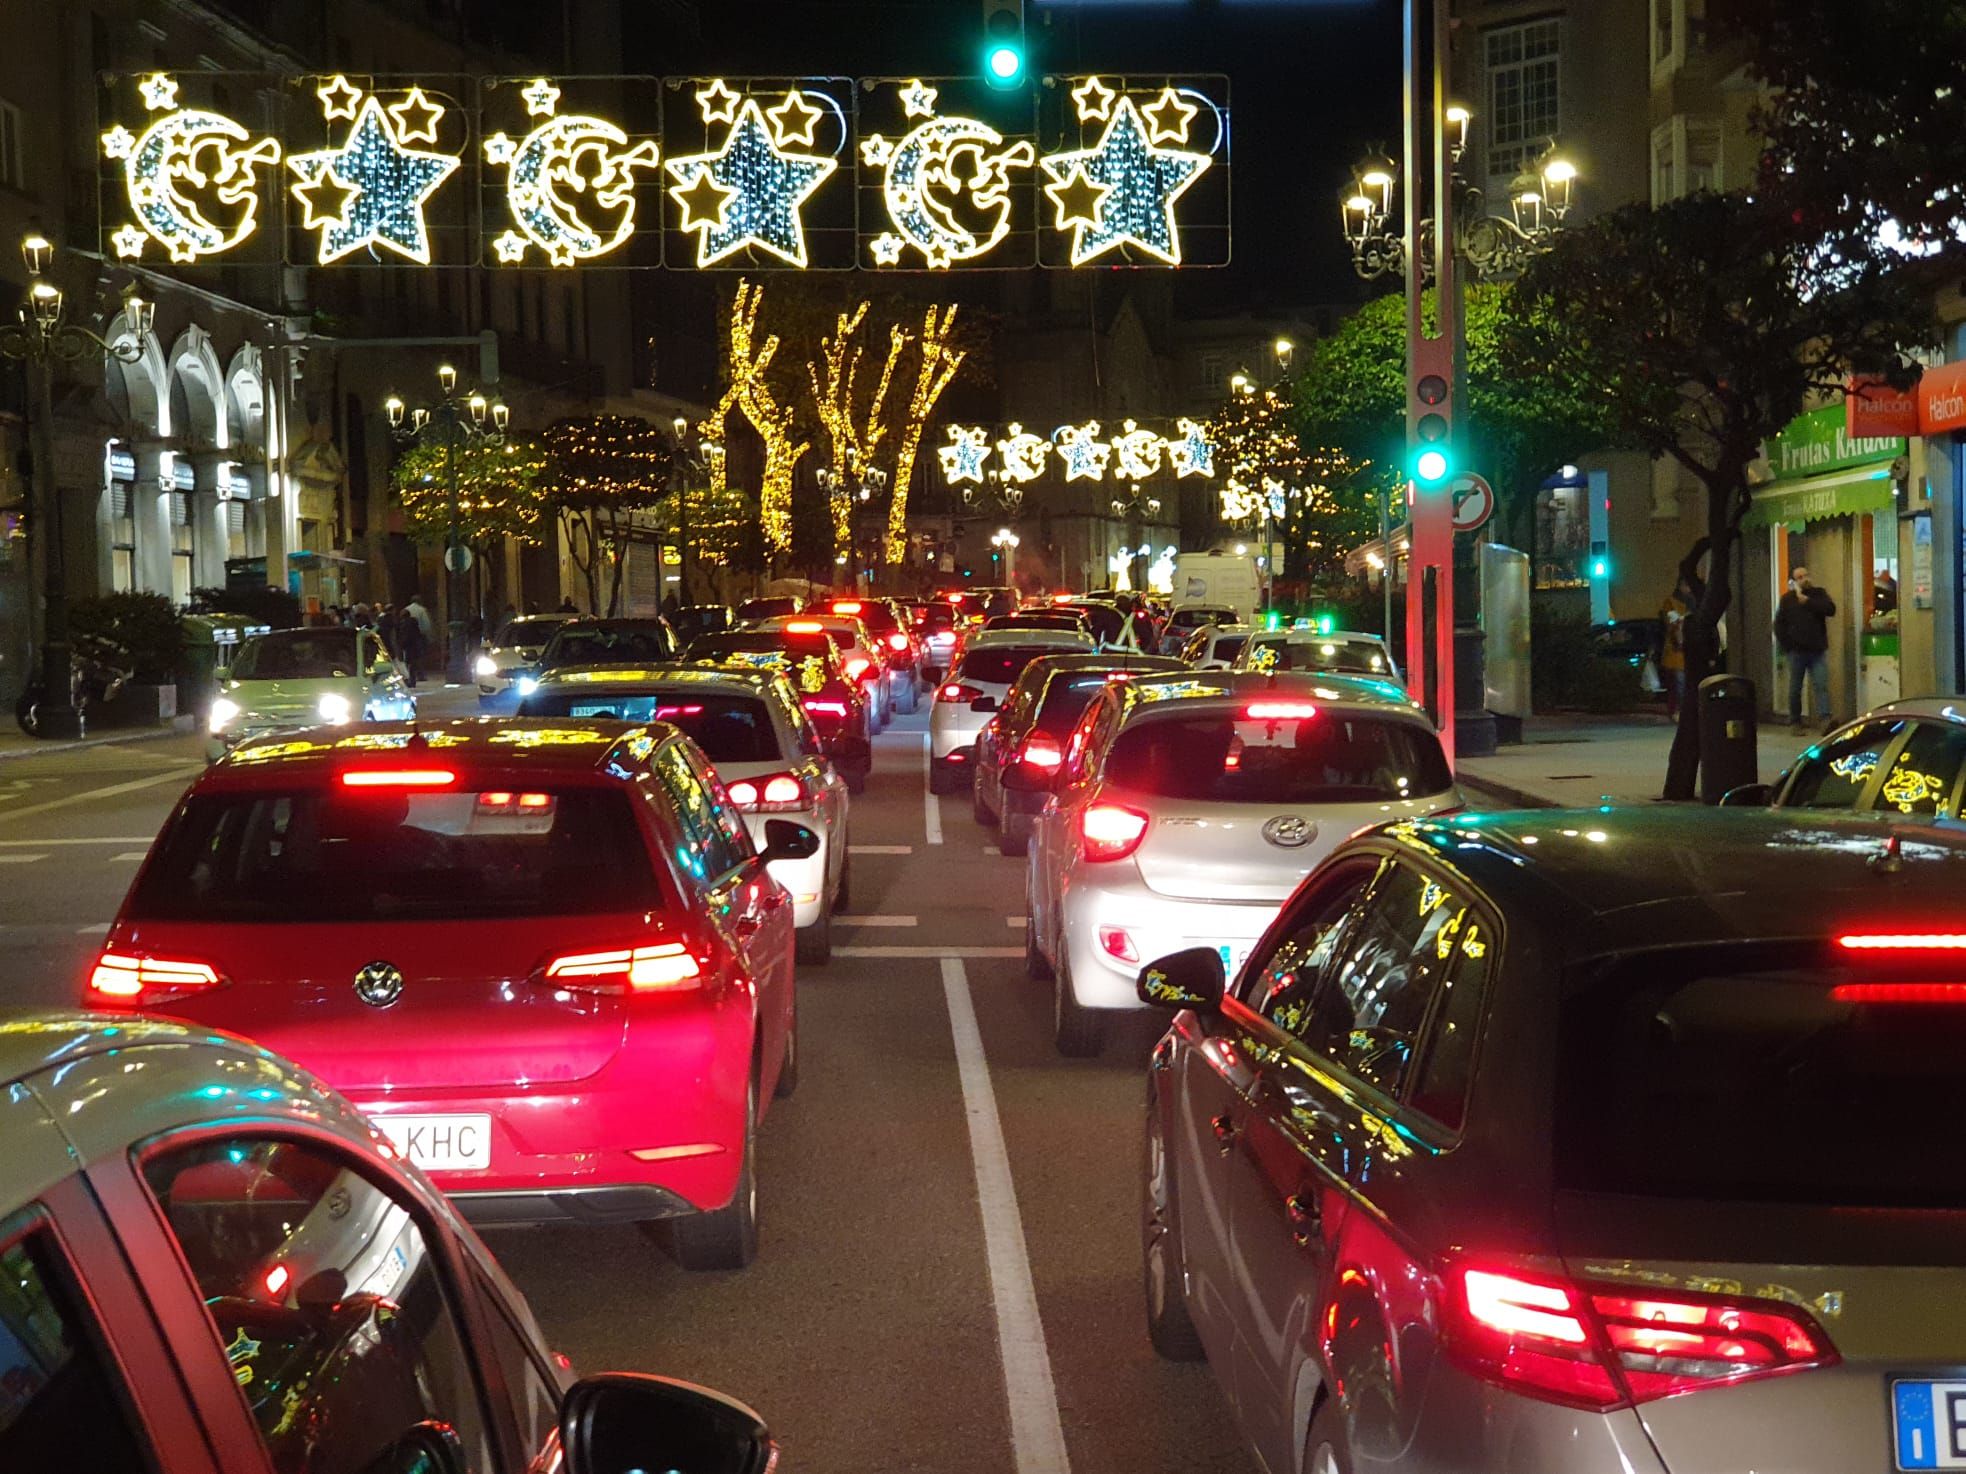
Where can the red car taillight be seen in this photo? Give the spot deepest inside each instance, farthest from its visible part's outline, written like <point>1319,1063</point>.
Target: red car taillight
<point>1602,1346</point>
<point>130,980</point>
<point>827,708</point>
<point>1040,751</point>
<point>665,967</point>
<point>779,793</point>
<point>1110,831</point>
<point>897,642</point>
<point>858,667</point>
<point>957,691</point>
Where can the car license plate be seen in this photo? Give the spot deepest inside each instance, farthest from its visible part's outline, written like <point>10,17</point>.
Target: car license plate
<point>440,1143</point>
<point>1928,1422</point>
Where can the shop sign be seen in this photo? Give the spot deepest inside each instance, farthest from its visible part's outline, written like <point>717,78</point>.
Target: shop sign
<point>1942,399</point>
<point>1819,441</point>
<point>1872,408</point>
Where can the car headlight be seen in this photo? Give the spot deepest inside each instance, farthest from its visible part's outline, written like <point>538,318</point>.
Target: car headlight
<point>486,666</point>
<point>335,708</point>
<point>224,714</point>
<point>527,685</point>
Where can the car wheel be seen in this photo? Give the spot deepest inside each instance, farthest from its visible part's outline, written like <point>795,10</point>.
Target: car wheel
<point>941,779</point>
<point>843,897</point>
<point>1169,1326</point>
<point>1078,1031</point>
<point>788,1064</point>
<point>726,1237</point>
<point>814,944</point>
<point>1035,967</point>
<point>984,815</point>
<point>1325,1451</point>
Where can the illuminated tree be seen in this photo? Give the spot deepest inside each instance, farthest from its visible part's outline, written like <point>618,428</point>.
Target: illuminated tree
<point>940,362</point>
<point>598,472</point>
<point>853,433</point>
<point>498,492</point>
<point>1319,501</point>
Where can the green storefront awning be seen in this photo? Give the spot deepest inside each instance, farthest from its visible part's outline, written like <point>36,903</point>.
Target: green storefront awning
<point>1836,494</point>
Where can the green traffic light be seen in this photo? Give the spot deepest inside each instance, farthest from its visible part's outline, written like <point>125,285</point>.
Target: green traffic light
<point>1600,567</point>
<point>1430,467</point>
<point>1004,63</point>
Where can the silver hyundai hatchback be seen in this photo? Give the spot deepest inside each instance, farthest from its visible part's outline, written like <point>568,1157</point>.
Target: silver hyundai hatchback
<point>1188,807</point>
<point>1578,1143</point>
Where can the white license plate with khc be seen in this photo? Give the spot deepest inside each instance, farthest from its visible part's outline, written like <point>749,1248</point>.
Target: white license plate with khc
<point>441,1143</point>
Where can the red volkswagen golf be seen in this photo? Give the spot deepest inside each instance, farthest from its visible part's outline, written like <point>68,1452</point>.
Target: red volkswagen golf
<point>543,956</point>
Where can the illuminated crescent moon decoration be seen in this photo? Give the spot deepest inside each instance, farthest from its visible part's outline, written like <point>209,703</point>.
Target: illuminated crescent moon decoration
<point>195,149</point>
<point>939,159</point>
<point>575,154</point>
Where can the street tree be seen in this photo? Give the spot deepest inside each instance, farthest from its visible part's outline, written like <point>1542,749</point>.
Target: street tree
<point>598,472</point>
<point>1700,328</point>
<point>498,493</point>
<point>1318,499</point>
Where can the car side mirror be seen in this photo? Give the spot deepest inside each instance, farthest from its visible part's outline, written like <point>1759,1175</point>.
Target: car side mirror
<point>623,1422</point>
<point>1194,978</point>
<point>984,703</point>
<point>1748,796</point>
<point>423,1448</point>
<point>785,840</point>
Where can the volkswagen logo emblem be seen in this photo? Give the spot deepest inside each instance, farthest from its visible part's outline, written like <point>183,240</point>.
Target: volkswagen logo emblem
<point>379,984</point>
<point>1289,832</point>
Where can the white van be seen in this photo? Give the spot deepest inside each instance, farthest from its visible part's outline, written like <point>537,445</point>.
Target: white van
<point>1225,580</point>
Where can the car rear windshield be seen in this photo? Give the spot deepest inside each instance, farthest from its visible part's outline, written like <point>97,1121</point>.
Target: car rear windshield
<point>1195,618</point>
<point>599,645</point>
<point>767,608</point>
<point>1355,657</point>
<point>998,666</point>
<point>1226,646</point>
<point>1740,1074</point>
<point>1106,621</point>
<point>1067,697</point>
<point>729,729</point>
<point>877,617</point>
<point>1228,756</point>
<point>939,616</point>
<point>298,655</point>
<point>327,855</point>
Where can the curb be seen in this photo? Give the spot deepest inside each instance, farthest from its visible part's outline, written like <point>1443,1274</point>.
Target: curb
<point>1503,793</point>
<point>44,749</point>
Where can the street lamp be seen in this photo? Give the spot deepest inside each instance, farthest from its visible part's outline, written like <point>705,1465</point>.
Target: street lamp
<point>1005,542</point>
<point>473,420</point>
<point>1284,350</point>
<point>41,339</point>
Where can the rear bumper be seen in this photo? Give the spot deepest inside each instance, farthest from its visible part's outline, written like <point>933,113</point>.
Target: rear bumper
<point>1155,924</point>
<point>598,1205</point>
<point>948,735</point>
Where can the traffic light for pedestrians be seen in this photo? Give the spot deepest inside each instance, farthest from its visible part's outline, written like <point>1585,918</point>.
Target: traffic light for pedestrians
<point>1003,42</point>
<point>1431,418</point>
<point>1600,561</point>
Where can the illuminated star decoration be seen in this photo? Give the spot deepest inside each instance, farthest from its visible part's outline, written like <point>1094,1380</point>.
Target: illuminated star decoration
<point>918,100</point>
<point>159,92</point>
<point>118,143</point>
<point>175,167</point>
<point>762,185</point>
<point>1139,452</point>
<point>427,112</point>
<point>542,97</point>
<point>886,249</point>
<point>1169,117</point>
<point>387,183</point>
<point>511,247</point>
<point>876,150</point>
<point>718,102</point>
<point>499,148</point>
<point>129,242</point>
<point>1194,453</point>
<point>1094,100</point>
<point>1023,454</point>
<point>1084,453</point>
<point>964,455</point>
<point>339,98</point>
<point>1142,182</point>
<point>793,120</point>
<point>1239,503</point>
<point>1278,495</point>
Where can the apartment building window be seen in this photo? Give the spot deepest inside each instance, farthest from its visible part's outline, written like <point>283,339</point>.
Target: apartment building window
<point>1668,36</point>
<point>122,539</point>
<point>1685,158</point>
<point>181,548</point>
<point>1212,373</point>
<point>11,175</point>
<point>235,529</point>
<point>1523,64</point>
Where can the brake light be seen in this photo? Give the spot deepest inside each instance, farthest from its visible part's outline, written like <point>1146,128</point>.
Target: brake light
<point>500,801</point>
<point>1279,711</point>
<point>1040,751</point>
<point>1115,943</point>
<point>664,967</point>
<point>827,708</point>
<point>957,691</point>
<point>1601,1347</point>
<point>858,666</point>
<point>1110,831</point>
<point>897,642</point>
<point>132,978</point>
<point>399,778</point>
<point>953,598</point>
<point>1063,598</point>
<point>1904,942</point>
<point>778,793</point>
<point>847,606</point>
<point>277,1279</point>
<point>1899,993</point>
<point>804,627</point>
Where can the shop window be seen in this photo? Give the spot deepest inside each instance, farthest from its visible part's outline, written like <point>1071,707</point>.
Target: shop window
<point>1524,64</point>
<point>122,539</point>
<point>181,548</point>
<point>1563,537</point>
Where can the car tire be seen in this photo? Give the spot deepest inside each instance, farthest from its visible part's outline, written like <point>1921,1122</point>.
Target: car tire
<point>788,1064</point>
<point>813,944</point>
<point>1078,1031</point>
<point>1036,968</point>
<point>941,779</point>
<point>984,815</point>
<point>1325,1449</point>
<point>1170,1327</point>
<point>726,1237</point>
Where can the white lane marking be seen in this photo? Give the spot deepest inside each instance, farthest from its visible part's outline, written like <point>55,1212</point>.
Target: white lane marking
<point>931,807</point>
<point>1017,923</point>
<point>845,920</point>
<point>1037,1435</point>
<point>979,953</point>
<point>91,795</point>
<point>880,849</point>
<point>20,859</point>
<point>127,856</point>
<point>45,843</point>
<point>93,929</point>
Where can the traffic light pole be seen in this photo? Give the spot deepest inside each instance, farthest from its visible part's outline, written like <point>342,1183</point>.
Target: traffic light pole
<point>1430,559</point>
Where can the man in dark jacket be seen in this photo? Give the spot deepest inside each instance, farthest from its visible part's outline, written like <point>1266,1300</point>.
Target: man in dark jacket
<point>1802,630</point>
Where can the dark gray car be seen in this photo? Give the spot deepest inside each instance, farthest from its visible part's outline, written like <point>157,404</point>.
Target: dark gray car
<point>1557,1143</point>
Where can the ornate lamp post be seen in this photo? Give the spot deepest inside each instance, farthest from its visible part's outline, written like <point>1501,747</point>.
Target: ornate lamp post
<point>464,419</point>
<point>1005,542</point>
<point>41,339</point>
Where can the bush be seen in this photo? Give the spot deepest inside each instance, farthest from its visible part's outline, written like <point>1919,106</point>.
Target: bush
<point>144,624</point>
<point>265,605</point>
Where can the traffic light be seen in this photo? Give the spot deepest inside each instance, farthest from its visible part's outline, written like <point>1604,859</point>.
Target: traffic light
<point>1003,42</point>
<point>1600,561</point>
<point>1433,460</point>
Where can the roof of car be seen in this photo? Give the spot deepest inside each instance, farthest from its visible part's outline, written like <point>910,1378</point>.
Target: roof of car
<point>1611,880</point>
<point>571,744</point>
<point>1936,708</point>
<point>1308,634</point>
<point>609,622</point>
<point>1327,687</point>
<point>735,677</point>
<point>1001,639</point>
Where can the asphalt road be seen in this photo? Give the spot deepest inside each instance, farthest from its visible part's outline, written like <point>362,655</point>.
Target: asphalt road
<point>949,1276</point>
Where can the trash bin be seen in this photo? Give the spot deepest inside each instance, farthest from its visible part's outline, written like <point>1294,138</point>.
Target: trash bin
<point>1728,756</point>
<point>210,641</point>
<point>1474,724</point>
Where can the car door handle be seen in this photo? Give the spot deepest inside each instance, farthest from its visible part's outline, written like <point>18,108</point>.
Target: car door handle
<point>1225,1130</point>
<point>1306,1217</point>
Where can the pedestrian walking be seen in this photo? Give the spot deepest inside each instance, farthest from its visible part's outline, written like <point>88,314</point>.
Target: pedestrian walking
<point>566,605</point>
<point>1802,631</point>
<point>419,632</point>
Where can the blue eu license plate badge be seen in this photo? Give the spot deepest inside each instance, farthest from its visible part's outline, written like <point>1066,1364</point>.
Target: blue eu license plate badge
<point>1928,1423</point>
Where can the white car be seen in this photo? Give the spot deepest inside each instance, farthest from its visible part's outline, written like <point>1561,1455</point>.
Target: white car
<point>1189,807</point>
<point>1183,622</point>
<point>756,734</point>
<point>1215,646</point>
<point>986,665</point>
<point>513,651</point>
<point>865,661</point>
<point>1340,652</point>
<point>305,678</point>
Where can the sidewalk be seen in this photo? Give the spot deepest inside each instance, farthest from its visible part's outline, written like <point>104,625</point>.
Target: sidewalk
<point>16,743</point>
<point>1580,761</point>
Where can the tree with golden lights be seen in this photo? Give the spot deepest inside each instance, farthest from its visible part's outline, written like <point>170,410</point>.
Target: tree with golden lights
<point>853,431</point>
<point>939,364</point>
<point>597,472</point>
